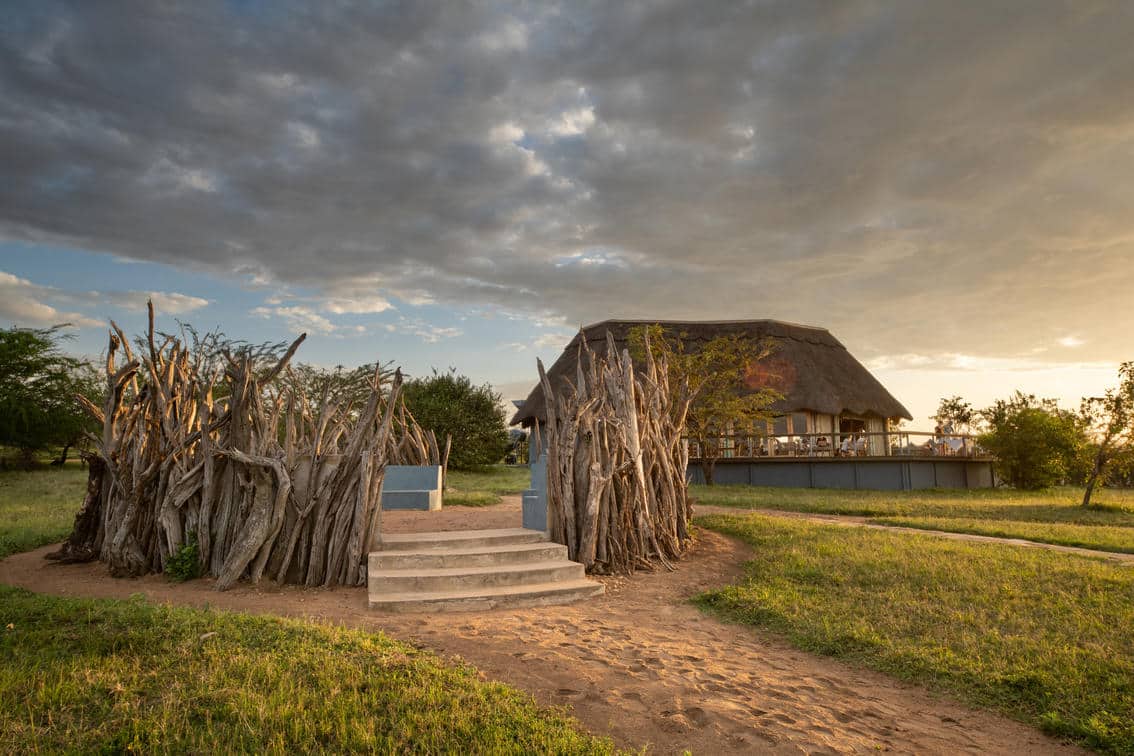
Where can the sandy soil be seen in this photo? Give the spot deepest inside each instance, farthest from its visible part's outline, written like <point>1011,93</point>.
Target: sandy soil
<point>639,664</point>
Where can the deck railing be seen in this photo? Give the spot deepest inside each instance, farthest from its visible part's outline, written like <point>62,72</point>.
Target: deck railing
<point>838,444</point>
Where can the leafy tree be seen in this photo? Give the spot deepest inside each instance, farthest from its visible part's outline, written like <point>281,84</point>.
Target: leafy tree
<point>1109,420</point>
<point>1036,443</point>
<point>347,387</point>
<point>448,403</point>
<point>717,377</point>
<point>957,412</point>
<point>38,384</point>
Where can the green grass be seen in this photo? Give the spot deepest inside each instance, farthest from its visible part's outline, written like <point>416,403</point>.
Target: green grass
<point>1047,516</point>
<point>39,507</point>
<point>111,676</point>
<point>484,487</point>
<point>1053,505</point>
<point>1041,636</point>
<point>1099,537</point>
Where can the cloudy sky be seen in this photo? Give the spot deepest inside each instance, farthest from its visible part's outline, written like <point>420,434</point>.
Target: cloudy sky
<point>948,187</point>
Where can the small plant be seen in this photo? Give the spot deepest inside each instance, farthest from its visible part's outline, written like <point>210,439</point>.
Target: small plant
<point>184,564</point>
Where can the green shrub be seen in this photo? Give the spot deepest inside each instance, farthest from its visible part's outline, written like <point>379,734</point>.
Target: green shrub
<point>185,563</point>
<point>450,405</point>
<point>1036,444</point>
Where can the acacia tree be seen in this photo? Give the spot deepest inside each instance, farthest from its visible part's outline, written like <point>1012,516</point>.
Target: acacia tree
<point>1036,444</point>
<point>956,412</point>
<point>716,376</point>
<point>346,386</point>
<point>1110,420</point>
<point>38,386</point>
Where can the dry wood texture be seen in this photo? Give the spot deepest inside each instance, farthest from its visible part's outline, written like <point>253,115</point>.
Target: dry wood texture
<point>616,461</point>
<point>265,479</point>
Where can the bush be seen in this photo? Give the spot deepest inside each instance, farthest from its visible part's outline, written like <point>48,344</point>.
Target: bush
<point>1036,444</point>
<point>448,404</point>
<point>185,563</point>
<point>38,384</point>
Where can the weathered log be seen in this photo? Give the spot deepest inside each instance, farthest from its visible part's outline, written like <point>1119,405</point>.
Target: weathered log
<point>81,545</point>
<point>174,465</point>
<point>615,463</point>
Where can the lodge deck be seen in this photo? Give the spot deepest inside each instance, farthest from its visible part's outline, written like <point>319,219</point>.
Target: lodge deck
<point>894,461</point>
<point>882,472</point>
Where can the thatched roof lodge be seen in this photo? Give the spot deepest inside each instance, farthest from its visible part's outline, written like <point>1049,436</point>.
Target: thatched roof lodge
<point>833,427</point>
<point>824,387</point>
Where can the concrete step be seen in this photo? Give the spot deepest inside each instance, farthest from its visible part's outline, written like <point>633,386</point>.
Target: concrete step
<point>458,539</point>
<point>448,579</point>
<point>474,556</point>
<point>495,597</point>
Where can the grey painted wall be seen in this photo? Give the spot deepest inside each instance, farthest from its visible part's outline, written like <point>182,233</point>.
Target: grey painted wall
<point>873,474</point>
<point>534,500</point>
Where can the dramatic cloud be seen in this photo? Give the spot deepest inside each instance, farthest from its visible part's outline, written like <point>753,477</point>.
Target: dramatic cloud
<point>24,303</point>
<point>297,318</point>
<point>927,179</point>
<point>168,303</point>
<point>430,334</point>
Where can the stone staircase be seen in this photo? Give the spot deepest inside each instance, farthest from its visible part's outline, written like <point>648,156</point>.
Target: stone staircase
<point>473,570</point>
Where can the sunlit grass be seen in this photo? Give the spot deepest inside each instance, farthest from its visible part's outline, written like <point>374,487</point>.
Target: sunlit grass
<point>115,676</point>
<point>39,507</point>
<point>1047,516</point>
<point>1099,537</point>
<point>1054,505</point>
<point>485,487</point>
<point>1042,636</point>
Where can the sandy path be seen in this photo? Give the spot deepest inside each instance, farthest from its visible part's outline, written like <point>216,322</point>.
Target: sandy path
<point>639,664</point>
<point>856,521</point>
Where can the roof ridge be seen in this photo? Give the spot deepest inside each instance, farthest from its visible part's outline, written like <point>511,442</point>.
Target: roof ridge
<point>667,321</point>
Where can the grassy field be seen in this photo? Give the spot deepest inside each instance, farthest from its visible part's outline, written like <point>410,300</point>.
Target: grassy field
<point>39,507</point>
<point>484,488</point>
<point>1047,516</point>
<point>1041,636</point>
<point>116,676</point>
<point>1098,537</point>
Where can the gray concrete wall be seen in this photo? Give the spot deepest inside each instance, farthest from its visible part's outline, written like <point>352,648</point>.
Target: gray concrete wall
<point>412,477</point>
<point>873,474</point>
<point>412,487</point>
<point>534,500</point>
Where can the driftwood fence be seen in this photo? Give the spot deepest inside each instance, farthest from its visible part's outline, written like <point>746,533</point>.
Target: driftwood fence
<point>616,462</point>
<point>263,479</point>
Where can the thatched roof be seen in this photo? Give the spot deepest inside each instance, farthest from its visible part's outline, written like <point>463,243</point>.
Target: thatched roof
<point>809,366</point>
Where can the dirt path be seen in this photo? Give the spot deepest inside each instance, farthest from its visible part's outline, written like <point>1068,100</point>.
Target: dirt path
<point>856,521</point>
<point>639,664</point>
